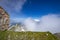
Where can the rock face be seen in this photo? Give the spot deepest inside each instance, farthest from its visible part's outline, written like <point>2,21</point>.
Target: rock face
<point>16,28</point>
<point>4,19</point>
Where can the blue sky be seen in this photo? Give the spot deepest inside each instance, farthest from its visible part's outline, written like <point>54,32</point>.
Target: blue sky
<point>30,8</point>
<point>36,8</point>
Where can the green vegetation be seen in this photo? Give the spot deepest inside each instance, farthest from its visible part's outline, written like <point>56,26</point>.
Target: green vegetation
<point>57,35</point>
<point>10,35</point>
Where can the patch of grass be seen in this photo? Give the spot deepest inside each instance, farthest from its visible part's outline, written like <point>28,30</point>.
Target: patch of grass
<point>10,35</point>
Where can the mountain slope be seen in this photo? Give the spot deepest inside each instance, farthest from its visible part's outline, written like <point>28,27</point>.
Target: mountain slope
<point>57,35</point>
<point>10,35</point>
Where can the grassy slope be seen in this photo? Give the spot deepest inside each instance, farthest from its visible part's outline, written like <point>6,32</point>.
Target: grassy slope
<point>9,35</point>
<point>57,35</point>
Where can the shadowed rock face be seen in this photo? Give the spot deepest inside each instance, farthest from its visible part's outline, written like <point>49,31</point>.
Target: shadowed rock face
<point>4,19</point>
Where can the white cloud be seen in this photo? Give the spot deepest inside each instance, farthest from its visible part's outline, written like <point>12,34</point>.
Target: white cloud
<point>47,23</point>
<point>37,20</point>
<point>50,23</point>
<point>30,24</point>
<point>12,5</point>
<point>20,4</point>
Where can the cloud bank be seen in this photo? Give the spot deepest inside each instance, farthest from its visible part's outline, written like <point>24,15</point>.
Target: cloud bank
<point>30,24</point>
<point>45,23</point>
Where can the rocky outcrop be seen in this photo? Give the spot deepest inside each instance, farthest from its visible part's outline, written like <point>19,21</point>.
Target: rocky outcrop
<point>4,19</point>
